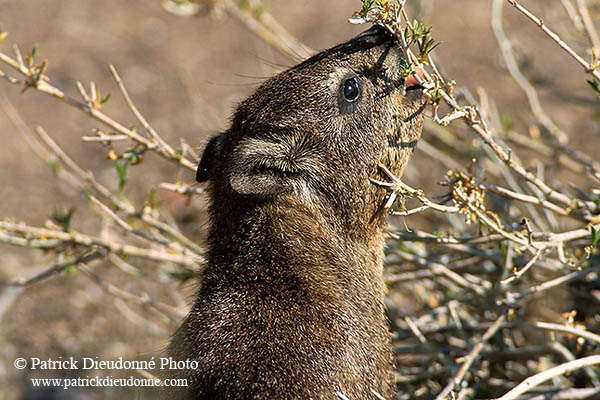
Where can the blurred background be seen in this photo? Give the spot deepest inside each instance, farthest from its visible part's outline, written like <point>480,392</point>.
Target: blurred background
<point>186,74</point>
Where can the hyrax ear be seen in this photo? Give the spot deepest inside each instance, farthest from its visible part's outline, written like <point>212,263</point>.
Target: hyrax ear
<point>211,152</point>
<point>265,167</point>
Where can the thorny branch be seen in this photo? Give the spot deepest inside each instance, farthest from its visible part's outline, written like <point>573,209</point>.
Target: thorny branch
<point>92,103</point>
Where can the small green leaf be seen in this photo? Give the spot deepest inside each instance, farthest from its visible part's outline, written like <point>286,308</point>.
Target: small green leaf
<point>53,164</point>
<point>595,84</point>
<point>507,122</point>
<point>34,51</point>
<point>518,250</point>
<point>182,275</point>
<point>366,6</point>
<point>595,236</point>
<point>421,35</point>
<point>63,218</point>
<point>258,11</point>
<point>153,200</point>
<point>503,248</point>
<point>243,4</point>
<point>122,173</point>
<point>406,68</point>
<point>104,99</point>
<point>71,267</point>
<point>436,96</point>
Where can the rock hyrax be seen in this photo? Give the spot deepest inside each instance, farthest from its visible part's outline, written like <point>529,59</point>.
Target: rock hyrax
<point>290,303</point>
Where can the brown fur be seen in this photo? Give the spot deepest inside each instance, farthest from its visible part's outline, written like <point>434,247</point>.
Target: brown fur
<point>290,304</point>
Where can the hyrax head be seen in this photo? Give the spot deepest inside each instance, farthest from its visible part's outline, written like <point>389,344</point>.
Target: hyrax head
<point>318,130</point>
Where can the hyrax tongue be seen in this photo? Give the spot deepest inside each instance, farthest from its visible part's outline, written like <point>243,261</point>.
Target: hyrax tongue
<point>411,82</point>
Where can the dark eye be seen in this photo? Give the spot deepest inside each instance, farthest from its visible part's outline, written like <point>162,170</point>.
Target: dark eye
<point>351,89</point>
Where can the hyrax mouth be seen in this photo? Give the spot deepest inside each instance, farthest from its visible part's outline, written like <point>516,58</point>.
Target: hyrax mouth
<point>412,82</point>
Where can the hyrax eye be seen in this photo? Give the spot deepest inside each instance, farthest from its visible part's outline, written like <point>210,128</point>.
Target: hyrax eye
<point>351,89</point>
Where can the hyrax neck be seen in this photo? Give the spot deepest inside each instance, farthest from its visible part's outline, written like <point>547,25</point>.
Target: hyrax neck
<point>283,249</point>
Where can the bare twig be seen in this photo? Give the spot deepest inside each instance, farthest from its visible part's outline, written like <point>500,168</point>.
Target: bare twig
<point>182,189</point>
<point>569,329</point>
<point>174,317</point>
<point>269,30</point>
<point>57,268</point>
<point>542,377</point>
<point>534,102</point>
<point>568,394</point>
<point>517,273</point>
<point>90,241</point>
<point>38,81</point>
<point>400,187</point>
<point>139,116</point>
<point>555,282</point>
<point>589,25</point>
<point>524,198</point>
<point>589,67</point>
<point>470,359</point>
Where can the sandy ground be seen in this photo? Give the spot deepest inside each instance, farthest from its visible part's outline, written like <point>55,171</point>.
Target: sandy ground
<point>186,75</point>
